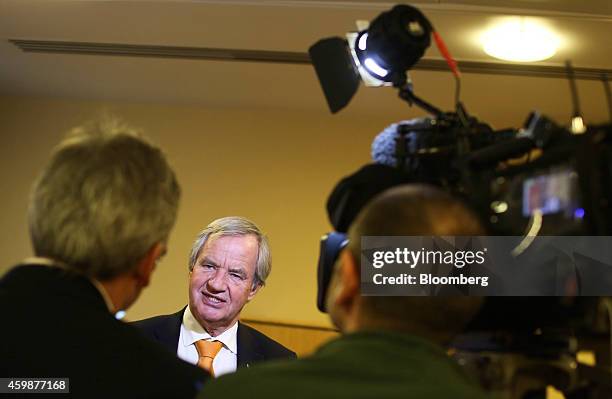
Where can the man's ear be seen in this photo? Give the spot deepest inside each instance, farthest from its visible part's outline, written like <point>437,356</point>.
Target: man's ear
<point>254,290</point>
<point>144,270</point>
<point>349,277</point>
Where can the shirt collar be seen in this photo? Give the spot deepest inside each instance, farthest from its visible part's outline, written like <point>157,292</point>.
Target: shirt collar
<point>42,261</point>
<point>195,332</point>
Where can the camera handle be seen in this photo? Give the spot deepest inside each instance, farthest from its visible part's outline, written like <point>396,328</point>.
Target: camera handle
<point>403,83</point>
<point>406,93</point>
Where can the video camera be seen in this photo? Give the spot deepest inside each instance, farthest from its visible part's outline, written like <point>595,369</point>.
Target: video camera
<point>541,179</point>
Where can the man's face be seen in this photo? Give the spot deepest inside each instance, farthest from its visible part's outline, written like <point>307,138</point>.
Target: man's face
<point>221,281</point>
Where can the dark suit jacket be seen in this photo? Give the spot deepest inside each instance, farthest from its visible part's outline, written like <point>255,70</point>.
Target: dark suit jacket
<point>253,346</point>
<point>56,324</point>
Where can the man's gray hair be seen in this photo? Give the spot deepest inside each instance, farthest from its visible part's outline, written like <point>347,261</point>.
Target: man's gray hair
<point>235,226</point>
<point>105,198</point>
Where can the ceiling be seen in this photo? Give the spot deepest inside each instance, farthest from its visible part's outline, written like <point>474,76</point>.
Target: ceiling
<point>284,26</point>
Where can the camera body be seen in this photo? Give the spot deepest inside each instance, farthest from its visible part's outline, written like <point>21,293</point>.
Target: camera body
<point>541,179</point>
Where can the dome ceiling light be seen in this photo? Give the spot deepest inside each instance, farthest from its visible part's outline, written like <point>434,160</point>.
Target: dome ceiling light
<point>520,40</point>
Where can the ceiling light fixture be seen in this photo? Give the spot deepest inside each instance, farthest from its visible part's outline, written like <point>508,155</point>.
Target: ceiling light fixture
<point>520,40</point>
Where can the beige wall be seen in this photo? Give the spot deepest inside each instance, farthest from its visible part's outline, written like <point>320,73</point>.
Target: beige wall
<point>275,167</point>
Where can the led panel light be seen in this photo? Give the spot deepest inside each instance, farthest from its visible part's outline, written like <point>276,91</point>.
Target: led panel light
<point>520,40</point>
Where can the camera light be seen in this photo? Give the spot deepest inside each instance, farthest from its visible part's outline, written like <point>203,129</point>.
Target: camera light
<point>372,66</point>
<point>120,315</point>
<point>379,54</point>
<point>520,40</point>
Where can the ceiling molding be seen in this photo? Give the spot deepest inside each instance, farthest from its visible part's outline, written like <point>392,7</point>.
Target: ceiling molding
<point>521,7</point>
<point>287,57</point>
<point>138,50</point>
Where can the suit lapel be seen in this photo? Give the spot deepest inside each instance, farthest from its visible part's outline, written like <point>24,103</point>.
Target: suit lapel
<point>169,331</point>
<point>248,348</point>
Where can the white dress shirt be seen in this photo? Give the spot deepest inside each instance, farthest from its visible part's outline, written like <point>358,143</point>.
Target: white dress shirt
<point>191,331</point>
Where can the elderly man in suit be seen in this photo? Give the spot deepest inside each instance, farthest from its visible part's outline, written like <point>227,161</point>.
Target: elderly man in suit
<point>100,215</point>
<point>229,263</point>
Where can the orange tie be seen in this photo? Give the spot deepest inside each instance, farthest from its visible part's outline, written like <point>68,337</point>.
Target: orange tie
<point>207,350</point>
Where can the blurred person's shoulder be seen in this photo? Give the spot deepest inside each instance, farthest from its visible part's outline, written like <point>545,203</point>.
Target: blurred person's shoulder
<point>361,365</point>
<point>61,318</point>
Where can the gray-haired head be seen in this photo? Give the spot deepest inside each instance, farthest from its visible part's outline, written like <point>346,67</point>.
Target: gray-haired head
<point>235,226</point>
<point>105,198</point>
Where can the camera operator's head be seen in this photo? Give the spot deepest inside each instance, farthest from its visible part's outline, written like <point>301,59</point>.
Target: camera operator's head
<point>408,210</point>
<point>104,206</point>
